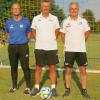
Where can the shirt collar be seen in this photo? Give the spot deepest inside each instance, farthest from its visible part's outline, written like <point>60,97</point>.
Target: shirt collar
<point>49,17</point>
<point>77,18</point>
<point>18,20</point>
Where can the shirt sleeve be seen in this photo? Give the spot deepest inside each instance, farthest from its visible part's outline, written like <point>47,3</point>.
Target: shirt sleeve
<point>63,27</point>
<point>28,27</point>
<point>33,23</point>
<point>86,26</point>
<point>57,24</point>
<point>6,27</point>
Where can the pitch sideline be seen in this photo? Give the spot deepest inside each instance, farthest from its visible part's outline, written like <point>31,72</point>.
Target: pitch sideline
<point>58,69</point>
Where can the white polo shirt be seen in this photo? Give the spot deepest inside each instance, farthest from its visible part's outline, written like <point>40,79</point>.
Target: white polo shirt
<point>45,32</point>
<point>75,34</point>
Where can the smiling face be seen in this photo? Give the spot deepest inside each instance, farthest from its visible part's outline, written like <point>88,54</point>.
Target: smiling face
<point>73,9</point>
<point>45,7</point>
<point>16,9</point>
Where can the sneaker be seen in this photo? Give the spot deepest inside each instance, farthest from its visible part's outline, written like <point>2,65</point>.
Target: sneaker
<point>35,92</point>
<point>27,91</point>
<point>54,92</point>
<point>85,94</point>
<point>12,90</point>
<point>67,92</point>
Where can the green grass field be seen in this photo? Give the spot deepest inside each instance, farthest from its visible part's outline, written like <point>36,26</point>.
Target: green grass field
<point>93,51</point>
<point>93,86</point>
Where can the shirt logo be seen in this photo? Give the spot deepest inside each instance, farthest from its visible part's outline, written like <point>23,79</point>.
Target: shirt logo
<point>21,26</point>
<point>68,25</point>
<point>80,23</point>
<point>11,26</point>
<point>51,20</point>
<point>26,55</point>
<point>39,20</point>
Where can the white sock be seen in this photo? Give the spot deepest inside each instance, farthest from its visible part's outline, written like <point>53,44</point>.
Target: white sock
<point>53,86</point>
<point>37,86</point>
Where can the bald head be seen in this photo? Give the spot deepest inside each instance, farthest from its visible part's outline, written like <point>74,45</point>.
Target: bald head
<point>73,9</point>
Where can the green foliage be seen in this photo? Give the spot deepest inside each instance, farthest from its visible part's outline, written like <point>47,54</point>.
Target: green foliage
<point>30,8</point>
<point>97,26</point>
<point>89,16</point>
<point>58,12</point>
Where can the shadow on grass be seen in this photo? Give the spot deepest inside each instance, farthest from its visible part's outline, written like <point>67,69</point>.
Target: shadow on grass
<point>45,77</point>
<point>75,77</point>
<point>21,82</point>
<point>32,79</point>
<point>77,80</point>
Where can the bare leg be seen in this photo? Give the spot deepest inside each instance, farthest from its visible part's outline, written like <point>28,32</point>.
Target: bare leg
<point>53,74</point>
<point>83,76</point>
<point>38,72</point>
<point>68,77</point>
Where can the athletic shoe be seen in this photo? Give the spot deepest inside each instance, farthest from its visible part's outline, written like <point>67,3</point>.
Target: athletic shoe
<point>35,92</point>
<point>27,91</point>
<point>54,92</point>
<point>67,92</point>
<point>12,90</point>
<point>85,94</point>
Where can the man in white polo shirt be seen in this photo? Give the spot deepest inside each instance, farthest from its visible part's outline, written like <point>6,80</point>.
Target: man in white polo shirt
<point>75,33</point>
<point>45,29</point>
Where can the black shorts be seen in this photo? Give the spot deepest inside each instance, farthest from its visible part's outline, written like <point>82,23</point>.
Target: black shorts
<point>44,57</point>
<point>79,57</point>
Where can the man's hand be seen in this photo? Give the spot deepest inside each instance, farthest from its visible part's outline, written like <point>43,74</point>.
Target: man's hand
<point>57,32</point>
<point>86,35</point>
<point>62,37</point>
<point>32,34</point>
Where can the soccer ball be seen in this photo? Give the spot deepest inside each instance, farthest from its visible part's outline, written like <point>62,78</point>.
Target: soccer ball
<point>45,93</point>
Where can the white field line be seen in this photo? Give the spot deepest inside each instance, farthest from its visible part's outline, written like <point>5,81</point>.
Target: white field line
<point>58,69</point>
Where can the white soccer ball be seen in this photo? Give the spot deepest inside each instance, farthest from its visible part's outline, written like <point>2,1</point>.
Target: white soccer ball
<point>45,93</point>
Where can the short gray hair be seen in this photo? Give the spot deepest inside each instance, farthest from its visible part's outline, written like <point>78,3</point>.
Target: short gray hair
<point>74,3</point>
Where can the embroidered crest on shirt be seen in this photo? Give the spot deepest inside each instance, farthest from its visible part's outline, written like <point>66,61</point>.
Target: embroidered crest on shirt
<point>68,25</point>
<point>11,26</point>
<point>39,20</point>
<point>51,20</point>
<point>21,25</point>
<point>80,23</point>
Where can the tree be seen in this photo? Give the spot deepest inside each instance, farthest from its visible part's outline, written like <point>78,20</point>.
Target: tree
<point>89,16</point>
<point>98,26</point>
<point>56,10</point>
<point>30,8</point>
